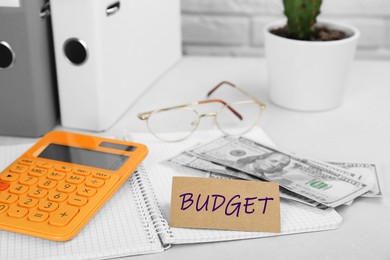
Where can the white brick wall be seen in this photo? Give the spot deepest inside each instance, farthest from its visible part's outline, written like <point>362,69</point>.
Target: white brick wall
<point>235,27</point>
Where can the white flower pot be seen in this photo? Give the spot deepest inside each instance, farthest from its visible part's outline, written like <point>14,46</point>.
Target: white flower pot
<point>308,75</point>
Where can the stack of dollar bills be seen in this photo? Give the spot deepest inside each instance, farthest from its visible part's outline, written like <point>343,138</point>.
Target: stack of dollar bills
<point>315,183</point>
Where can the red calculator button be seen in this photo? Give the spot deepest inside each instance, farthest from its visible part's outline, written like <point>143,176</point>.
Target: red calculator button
<point>3,185</point>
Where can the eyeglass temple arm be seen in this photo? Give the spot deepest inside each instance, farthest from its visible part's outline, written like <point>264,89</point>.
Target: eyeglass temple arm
<point>263,106</point>
<point>220,84</point>
<point>223,102</point>
<point>146,115</point>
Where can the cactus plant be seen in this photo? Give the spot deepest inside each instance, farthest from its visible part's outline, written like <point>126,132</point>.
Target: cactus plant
<point>301,17</point>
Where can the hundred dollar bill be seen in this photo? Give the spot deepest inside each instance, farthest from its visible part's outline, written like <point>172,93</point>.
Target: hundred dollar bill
<point>297,175</point>
<point>214,170</point>
<point>189,160</point>
<point>366,172</point>
<point>333,168</point>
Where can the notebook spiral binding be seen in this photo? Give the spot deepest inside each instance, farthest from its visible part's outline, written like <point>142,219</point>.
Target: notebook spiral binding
<point>154,223</point>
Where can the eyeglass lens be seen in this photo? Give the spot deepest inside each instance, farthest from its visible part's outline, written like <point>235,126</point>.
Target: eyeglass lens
<point>229,123</point>
<point>179,123</point>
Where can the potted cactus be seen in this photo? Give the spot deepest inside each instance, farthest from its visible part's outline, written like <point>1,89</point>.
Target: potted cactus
<point>308,60</point>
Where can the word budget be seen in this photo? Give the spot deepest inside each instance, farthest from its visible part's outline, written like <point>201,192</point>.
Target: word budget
<point>233,205</point>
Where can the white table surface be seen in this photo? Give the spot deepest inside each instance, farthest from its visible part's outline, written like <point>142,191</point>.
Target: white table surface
<point>357,131</point>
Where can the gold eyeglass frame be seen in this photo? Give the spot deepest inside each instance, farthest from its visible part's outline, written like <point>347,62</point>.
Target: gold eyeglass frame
<point>146,115</point>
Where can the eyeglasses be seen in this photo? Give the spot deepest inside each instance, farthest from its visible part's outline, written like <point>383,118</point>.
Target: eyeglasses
<point>232,118</point>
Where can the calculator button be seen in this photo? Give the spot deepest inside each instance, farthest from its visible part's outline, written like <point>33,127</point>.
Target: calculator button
<point>63,215</point>
<point>45,165</point>
<point>38,216</point>
<point>18,168</point>
<point>77,200</point>
<point>86,192</point>
<point>75,179</point>
<point>37,172</point>
<point>101,175</point>
<point>18,188</point>
<point>94,183</point>
<point>8,198</point>
<point>57,196</point>
<point>66,187</point>
<point>9,176</point>
<point>47,184</point>
<point>55,175</point>
<point>47,206</point>
<point>28,180</point>
<point>82,172</point>
<point>37,193</point>
<point>17,212</point>
<point>3,208</point>
<point>25,161</point>
<point>3,185</point>
<point>63,168</point>
<point>27,202</point>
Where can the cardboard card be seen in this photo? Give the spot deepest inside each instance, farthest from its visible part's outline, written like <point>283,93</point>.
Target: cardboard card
<point>225,204</point>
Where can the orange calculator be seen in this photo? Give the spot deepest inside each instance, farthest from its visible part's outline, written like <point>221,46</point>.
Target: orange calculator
<point>60,183</point>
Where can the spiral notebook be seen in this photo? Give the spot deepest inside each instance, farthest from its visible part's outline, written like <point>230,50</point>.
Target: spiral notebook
<point>136,220</point>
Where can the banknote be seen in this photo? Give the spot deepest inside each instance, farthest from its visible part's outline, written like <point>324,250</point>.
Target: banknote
<point>312,181</point>
<point>366,172</point>
<point>214,170</point>
<point>334,168</point>
<point>189,160</point>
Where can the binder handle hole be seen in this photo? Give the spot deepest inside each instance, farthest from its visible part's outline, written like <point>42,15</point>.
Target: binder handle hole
<point>76,51</point>
<point>7,55</point>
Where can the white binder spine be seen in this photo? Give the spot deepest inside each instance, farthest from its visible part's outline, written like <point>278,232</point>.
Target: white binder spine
<point>78,84</point>
<point>117,49</point>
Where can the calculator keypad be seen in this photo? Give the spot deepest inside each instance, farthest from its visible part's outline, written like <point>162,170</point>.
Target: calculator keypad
<point>46,197</point>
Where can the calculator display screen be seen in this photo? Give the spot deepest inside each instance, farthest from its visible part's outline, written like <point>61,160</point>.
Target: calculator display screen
<point>76,155</point>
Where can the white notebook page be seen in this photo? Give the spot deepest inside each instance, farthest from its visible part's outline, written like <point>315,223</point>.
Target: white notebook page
<point>295,218</point>
<point>116,230</point>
